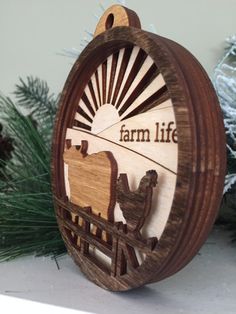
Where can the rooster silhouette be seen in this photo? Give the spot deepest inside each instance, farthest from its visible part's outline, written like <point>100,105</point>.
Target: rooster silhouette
<point>136,205</point>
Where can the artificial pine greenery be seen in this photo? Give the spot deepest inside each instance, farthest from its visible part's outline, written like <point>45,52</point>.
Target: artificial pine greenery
<point>225,84</point>
<point>27,219</point>
<point>6,147</point>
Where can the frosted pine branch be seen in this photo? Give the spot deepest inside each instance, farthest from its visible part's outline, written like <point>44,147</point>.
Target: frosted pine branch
<point>225,85</point>
<point>230,180</point>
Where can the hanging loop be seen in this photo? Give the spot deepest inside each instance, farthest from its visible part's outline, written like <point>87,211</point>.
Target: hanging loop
<point>117,15</point>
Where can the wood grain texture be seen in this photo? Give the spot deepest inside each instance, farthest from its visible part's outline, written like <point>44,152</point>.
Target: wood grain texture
<point>117,15</point>
<point>201,155</point>
<point>92,179</point>
<point>137,166</point>
<point>136,205</point>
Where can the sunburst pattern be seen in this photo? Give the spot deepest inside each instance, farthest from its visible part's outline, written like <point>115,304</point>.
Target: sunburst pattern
<point>129,80</point>
<point>128,92</point>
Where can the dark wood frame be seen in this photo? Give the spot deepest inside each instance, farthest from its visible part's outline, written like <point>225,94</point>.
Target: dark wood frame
<point>201,152</point>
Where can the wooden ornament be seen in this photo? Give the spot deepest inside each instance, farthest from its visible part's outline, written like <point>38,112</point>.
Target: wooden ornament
<point>138,156</point>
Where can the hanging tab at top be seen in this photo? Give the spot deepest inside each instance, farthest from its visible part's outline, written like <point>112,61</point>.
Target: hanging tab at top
<point>117,15</point>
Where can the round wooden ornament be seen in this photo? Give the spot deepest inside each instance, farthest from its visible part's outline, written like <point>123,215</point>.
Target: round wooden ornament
<point>138,155</point>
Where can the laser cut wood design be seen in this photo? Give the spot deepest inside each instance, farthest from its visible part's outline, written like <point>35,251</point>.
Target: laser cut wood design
<point>92,179</point>
<point>136,205</point>
<point>138,155</point>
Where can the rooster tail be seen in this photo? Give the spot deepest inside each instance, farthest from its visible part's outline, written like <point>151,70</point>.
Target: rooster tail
<point>122,183</point>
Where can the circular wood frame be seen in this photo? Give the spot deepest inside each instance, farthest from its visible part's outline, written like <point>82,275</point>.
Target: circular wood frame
<point>201,152</point>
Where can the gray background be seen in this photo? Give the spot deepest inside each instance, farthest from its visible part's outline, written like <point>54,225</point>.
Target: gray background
<point>32,32</point>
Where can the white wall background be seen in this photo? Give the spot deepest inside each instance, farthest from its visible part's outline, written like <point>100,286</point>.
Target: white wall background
<point>32,32</point>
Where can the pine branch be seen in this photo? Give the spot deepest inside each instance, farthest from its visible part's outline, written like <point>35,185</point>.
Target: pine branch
<point>27,219</point>
<point>34,96</point>
<point>225,85</point>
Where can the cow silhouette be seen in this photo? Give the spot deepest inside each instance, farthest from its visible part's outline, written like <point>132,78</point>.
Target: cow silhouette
<point>92,179</point>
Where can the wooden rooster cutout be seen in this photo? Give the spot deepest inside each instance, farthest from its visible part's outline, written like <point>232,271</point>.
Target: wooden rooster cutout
<point>136,205</point>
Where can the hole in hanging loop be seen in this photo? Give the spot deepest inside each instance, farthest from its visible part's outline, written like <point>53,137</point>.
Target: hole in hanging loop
<point>109,21</point>
<point>115,16</point>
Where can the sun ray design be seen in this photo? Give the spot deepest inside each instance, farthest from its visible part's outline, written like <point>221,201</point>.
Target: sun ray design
<point>82,107</point>
<point>141,64</point>
<point>104,81</point>
<point>100,83</point>
<point>88,94</point>
<point>92,92</point>
<point>129,80</point>
<point>109,66</point>
<point>133,57</point>
<point>88,104</point>
<point>118,65</point>
<point>115,57</point>
<point>93,83</point>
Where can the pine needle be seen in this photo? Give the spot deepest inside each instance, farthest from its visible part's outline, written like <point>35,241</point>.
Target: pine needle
<point>225,84</point>
<point>27,219</point>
